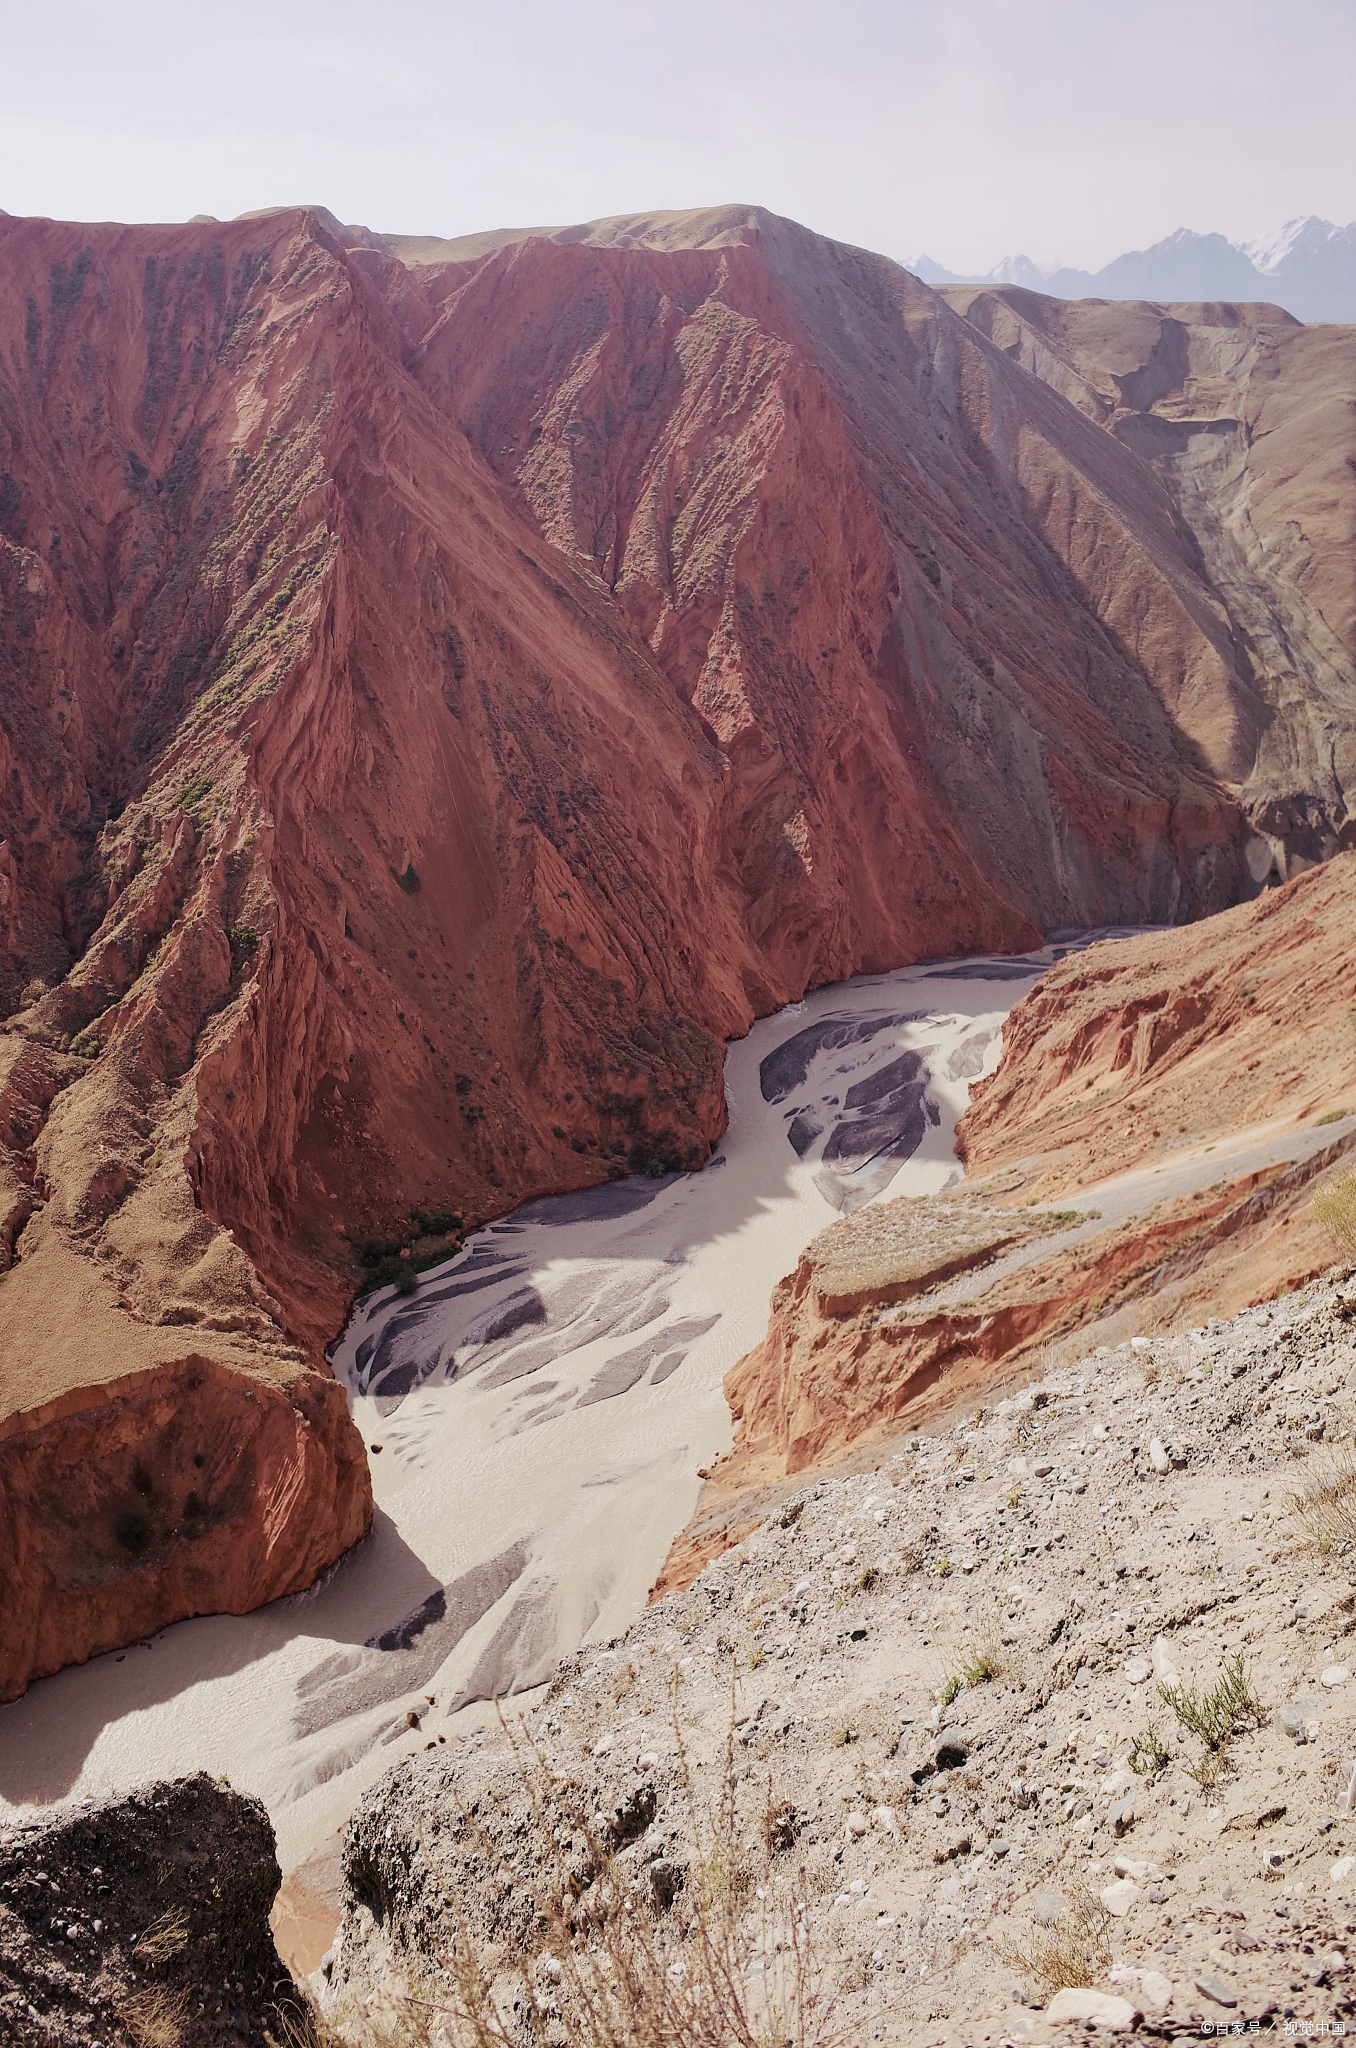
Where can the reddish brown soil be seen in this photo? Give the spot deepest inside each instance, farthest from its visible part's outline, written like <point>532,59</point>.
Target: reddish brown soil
<point>1176,1045</point>
<point>439,705</point>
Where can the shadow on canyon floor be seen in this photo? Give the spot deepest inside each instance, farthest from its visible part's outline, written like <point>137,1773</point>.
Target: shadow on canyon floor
<point>47,1737</point>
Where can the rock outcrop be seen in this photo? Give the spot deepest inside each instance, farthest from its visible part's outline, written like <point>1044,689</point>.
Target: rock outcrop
<point>197,1486</point>
<point>825,1380</point>
<point>1177,1089</point>
<point>1177,1042</point>
<point>440,701</point>
<point>142,1920</point>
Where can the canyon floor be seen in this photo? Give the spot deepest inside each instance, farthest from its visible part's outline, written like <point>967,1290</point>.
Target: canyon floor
<point>945,1677</point>
<point>541,1414</point>
<point>542,1408</point>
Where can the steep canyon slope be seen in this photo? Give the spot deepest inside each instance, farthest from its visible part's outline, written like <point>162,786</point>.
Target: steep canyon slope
<point>441,700</point>
<point>1248,421</point>
<point>1143,1158</point>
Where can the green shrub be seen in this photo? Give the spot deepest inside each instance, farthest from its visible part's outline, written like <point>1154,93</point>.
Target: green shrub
<point>193,791</point>
<point>1149,1754</point>
<point>987,1663</point>
<point>384,1266</point>
<point>374,1250</point>
<point>1216,1717</point>
<point>435,1222</point>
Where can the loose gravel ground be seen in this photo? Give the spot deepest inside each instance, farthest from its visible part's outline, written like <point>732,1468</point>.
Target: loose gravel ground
<point>942,1666</point>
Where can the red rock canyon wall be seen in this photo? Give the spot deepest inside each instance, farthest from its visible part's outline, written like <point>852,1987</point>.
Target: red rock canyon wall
<point>439,704</point>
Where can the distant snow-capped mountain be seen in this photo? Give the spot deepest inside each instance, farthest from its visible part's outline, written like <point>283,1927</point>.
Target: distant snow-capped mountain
<point>1308,266</point>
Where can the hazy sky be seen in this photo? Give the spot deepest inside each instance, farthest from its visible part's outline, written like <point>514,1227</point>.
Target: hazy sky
<point>970,129</point>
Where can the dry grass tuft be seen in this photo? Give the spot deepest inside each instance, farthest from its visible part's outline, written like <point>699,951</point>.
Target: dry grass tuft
<point>165,1938</point>
<point>985,1662</point>
<point>1070,1954</point>
<point>155,2018</point>
<point>1335,1207</point>
<point>1325,1507</point>
<point>727,1964</point>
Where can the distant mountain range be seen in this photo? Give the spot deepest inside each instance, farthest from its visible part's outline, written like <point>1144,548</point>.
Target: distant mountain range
<point>1309,267</point>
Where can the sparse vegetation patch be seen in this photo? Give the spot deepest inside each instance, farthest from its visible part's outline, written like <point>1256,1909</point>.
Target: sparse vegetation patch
<point>1335,1207</point>
<point>1325,1507</point>
<point>1071,1953</point>
<point>1216,1717</point>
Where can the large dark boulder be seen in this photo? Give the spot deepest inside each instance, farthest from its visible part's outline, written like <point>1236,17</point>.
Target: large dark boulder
<point>144,1918</point>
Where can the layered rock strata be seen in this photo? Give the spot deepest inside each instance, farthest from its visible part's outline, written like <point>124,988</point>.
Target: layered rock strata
<point>1176,1089</point>
<point>1177,1043</point>
<point>443,700</point>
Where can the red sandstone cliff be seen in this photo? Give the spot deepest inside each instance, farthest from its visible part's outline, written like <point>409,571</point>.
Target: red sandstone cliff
<point>199,1486</point>
<point>1179,1050</point>
<point>1175,1042</point>
<point>438,705</point>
